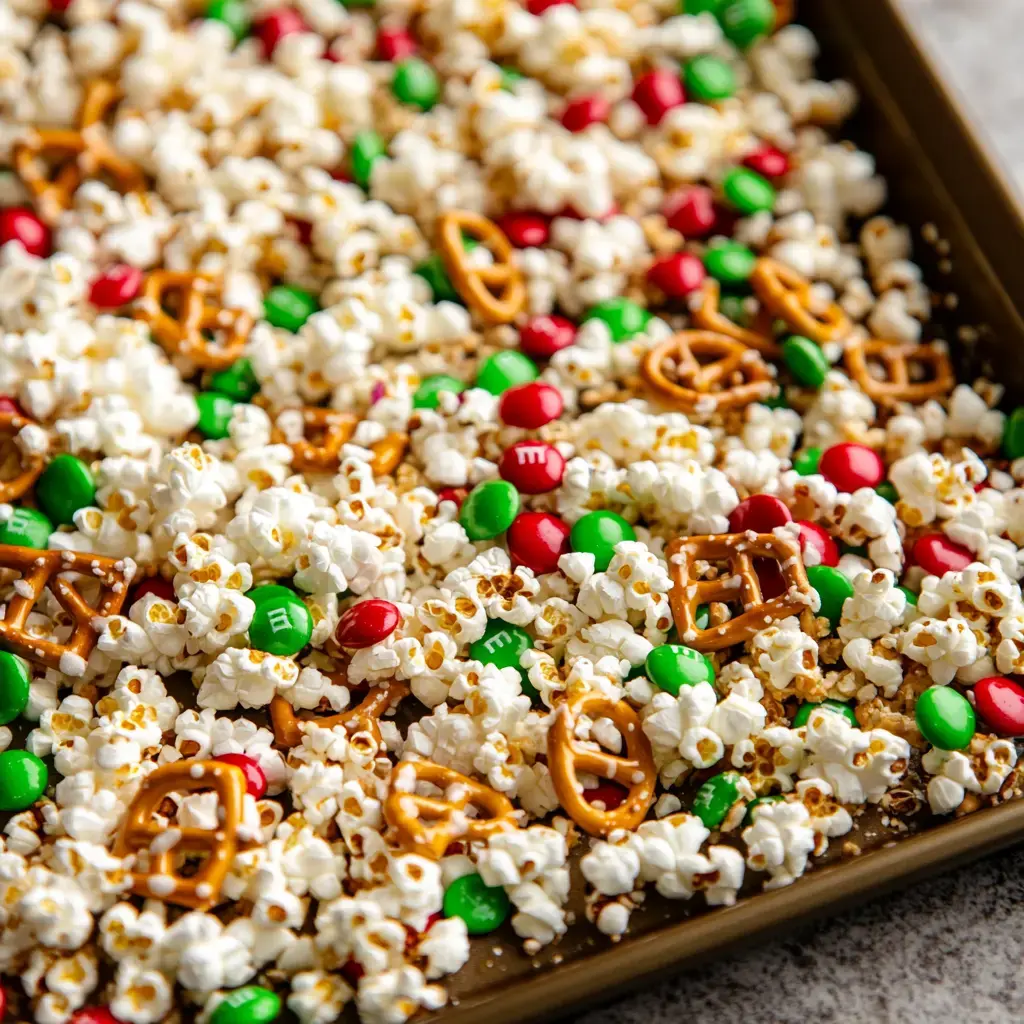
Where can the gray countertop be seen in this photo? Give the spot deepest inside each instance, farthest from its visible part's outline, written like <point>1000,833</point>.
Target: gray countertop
<point>947,950</point>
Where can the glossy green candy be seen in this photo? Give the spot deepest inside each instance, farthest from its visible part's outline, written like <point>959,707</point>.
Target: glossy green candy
<point>702,619</point>
<point>233,13</point>
<point>358,3</point>
<point>716,798</point>
<point>700,6</point>
<point>910,596</point>
<point>415,82</point>
<point>806,462</point>
<point>502,645</point>
<point>288,307</point>
<point>22,780</point>
<point>65,486</point>
<point>748,818</point>
<point>489,509</point>
<point>281,624</point>
<point>744,22</point>
<point>945,718</point>
<point>673,666</point>
<point>433,272</point>
<point>748,192</point>
<point>709,79</point>
<point>367,148</point>
<point>733,307</point>
<point>805,360</point>
<point>215,413</point>
<point>776,401</point>
<point>249,1005</point>
<point>238,381</point>
<point>510,78</point>
<point>27,528</point>
<point>484,908</point>
<point>597,533</point>
<point>505,370</point>
<point>14,683</point>
<point>428,393</point>
<point>730,263</point>
<point>887,491</point>
<point>833,588</point>
<point>1013,434</point>
<point>624,318</point>
<point>836,706</point>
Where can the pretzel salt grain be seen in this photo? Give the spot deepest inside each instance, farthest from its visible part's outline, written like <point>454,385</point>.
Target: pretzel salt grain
<point>567,757</point>
<point>790,297</point>
<point>429,825</point>
<point>896,360</point>
<point>325,431</point>
<point>30,465</point>
<point>708,316</point>
<point>156,847</point>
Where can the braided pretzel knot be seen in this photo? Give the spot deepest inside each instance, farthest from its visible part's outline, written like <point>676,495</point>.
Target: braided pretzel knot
<point>183,334</point>
<point>567,757</point>
<point>897,360</point>
<point>408,813</point>
<point>496,293</point>
<point>740,584</point>
<point>29,466</point>
<point>325,431</point>
<point>790,297</point>
<point>76,154</point>
<point>158,879</point>
<point>363,719</point>
<point>708,316</point>
<point>712,372</point>
<point>45,569</point>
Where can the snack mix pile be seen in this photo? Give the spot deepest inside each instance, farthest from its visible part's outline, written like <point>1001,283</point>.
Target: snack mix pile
<point>463,462</point>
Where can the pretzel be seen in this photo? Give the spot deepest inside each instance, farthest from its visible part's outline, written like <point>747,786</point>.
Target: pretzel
<point>709,317</point>
<point>157,878</point>
<point>77,154</point>
<point>496,293</point>
<point>789,296</point>
<point>729,376</point>
<point>183,334</point>
<point>30,465</point>
<point>363,718</point>
<point>407,812</point>
<point>329,430</point>
<point>567,757</point>
<point>45,569</point>
<point>740,584</point>
<point>895,359</point>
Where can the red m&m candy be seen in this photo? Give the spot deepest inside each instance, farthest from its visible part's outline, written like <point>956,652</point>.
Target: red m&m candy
<point>116,286</point>
<point>157,585</point>
<point>658,92</point>
<point>255,778</point>
<point>532,467</point>
<point>395,44</point>
<point>367,623</point>
<point>691,211</point>
<point>525,230</point>
<point>276,24</point>
<point>537,540</point>
<point>10,406</point>
<point>540,6</point>
<point>760,513</point>
<point>20,224</point>
<point>817,546</point>
<point>530,406</point>
<point>850,466</point>
<point>542,336</point>
<point>1000,703</point>
<point>768,162</point>
<point>937,554</point>
<point>677,275</point>
<point>583,111</point>
<point>456,494</point>
<point>609,794</point>
<point>93,1015</point>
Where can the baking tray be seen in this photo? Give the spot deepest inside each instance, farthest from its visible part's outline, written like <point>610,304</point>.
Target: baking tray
<point>969,235</point>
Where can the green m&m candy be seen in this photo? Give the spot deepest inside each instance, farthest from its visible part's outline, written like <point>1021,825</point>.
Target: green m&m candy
<point>237,382</point>
<point>910,596</point>
<point>751,816</point>
<point>833,589</point>
<point>358,3</point>
<point>489,509</point>
<point>945,718</point>
<point>1013,434</point>
<point>433,272</point>
<point>624,318</point>
<point>288,307</point>
<point>215,413</point>
<point>730,263</point>
<point>701,6</point>
<point>502,645</point>
<point>805,360</point>
<point>415,82</point>
<point>803,713</point>
<point>744,22</point>
<point>748,192</point>
<point>484,908</point>
<point>281,623</point>
<point>505,370</point>
<point>428,393</point>
<point>709,79</point>
<point>65,486</point>
<point>22,780</point>
<point>806,462</point>
<point>233,13</point>
<point>26,528</point>
<point>597,533</point>
<point>249,1005</point>
<point>14,683</point>
<point>673,666</point>
<point>367,148</point>
<point>887,491</point>
<point>716,798</point>
<point>510,78</point>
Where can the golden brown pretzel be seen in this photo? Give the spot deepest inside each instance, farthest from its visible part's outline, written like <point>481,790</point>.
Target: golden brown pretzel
<point>789,296</point>
<point>326,430</point>
<point>30,467</point>
<point>567,757</point>
<point>896,359</point>
<point>708,316</point>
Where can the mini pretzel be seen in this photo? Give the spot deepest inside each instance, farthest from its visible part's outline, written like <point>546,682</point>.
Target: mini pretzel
<point>363,718</point>
<point>789,296</point>
<point>408,813</point>
<point>740,584</point>
<point>327,430</point>
<point>183,334</point>
<point>30,466</point>
<point>708,316</point>
<point>567,757</point>
<point>936,377</point>
<point>46,569</point>
<point>159,880</point>
<point>86,153</point>
<point>496,293</point>
<point>730,374</point>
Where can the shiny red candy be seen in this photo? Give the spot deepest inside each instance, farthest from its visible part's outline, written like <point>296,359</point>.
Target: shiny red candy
<point>608,793</point>
<point>658,92</point>
<point>814,538</point>
<point>153,585</point>
<point>530,406</point>
<point>93,1015</point>
<point>525,230</point>
<point>9,405</point>
<point>255,779</point>
<point>769,578</point>
<point>542,336</point>
<point>275,25</point>
<point>20,224</point>
<point>1000,703</point>
<point>691,211</point>
<point>768,161</point>
<point>760,513</point>
<point>367,623</point>
<point>303,230</point>
<point>677,275</point>
<point>538,7</point>
<point>395,44</point>
<point>116,287</point>
<point>937,554</point>
<point>850,466</point>
<point>352,971</point>
<point>584,111</point>
<point>533,467</point>
<point>456,494</point>
<point>537,540</point>
<point>60,6</point>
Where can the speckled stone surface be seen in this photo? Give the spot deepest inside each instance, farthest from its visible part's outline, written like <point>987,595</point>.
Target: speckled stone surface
<point>947,950</point>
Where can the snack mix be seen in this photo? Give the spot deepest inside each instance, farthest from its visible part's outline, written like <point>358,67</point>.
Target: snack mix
<point>466,465</point>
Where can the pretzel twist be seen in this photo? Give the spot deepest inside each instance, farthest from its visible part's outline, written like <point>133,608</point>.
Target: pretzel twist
<point>896,360</point>
<point>30,466</point>
<point>708,316</point>
<point>790,297</point>
<point>325,431</point>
